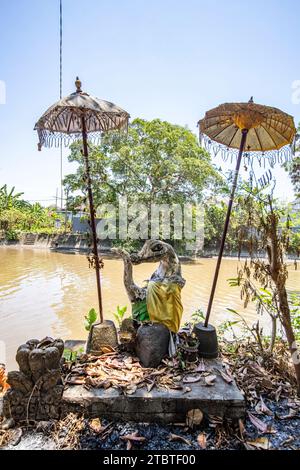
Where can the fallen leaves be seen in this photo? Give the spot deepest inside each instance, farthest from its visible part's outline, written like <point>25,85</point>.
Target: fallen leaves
<point>3,384</point>
<point>226,377</point>
<point>259,424</point>
<point>124,372</point>
<point>210,379</point>
<point>291,414</point>
<point>188,379</point>
<point>176,437</point>
<point>261,443</point>
<point>201,440</point>
<point>194,418</point>
<point>95,425</point>
<point>132,438</point>
<point>262,408</point>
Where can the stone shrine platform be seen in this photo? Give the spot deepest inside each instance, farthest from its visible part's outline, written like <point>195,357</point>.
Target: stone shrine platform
<point>159,405</point>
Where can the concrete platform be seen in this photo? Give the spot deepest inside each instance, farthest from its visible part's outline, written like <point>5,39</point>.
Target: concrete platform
<point>159,405</point>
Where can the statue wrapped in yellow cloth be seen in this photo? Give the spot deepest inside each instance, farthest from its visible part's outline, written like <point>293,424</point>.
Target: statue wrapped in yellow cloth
<point>160,300</point>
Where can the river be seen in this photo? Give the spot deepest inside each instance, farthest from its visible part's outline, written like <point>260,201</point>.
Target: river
<point>44,293</point>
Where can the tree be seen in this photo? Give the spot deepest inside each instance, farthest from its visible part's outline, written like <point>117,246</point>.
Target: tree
<point>293,167</point>
<point>156,162</point>
<point>270,232</point>
<point>10,199</point>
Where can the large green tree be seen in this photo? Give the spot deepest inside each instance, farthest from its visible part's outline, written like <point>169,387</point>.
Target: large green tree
<point>155,162</point>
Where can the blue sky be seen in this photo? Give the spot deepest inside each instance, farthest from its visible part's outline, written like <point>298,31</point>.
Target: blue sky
<point>169,59</point>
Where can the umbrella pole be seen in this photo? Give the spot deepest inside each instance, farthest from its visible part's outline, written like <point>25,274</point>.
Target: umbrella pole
<point>234,184</point>
<point>92,215</point>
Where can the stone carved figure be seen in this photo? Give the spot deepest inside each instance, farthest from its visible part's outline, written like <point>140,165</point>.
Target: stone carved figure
<point>160,300</point>
<point>36,389</point>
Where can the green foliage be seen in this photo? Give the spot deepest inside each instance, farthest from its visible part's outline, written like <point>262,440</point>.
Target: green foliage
<point>120,314</point>
<point>156,162</point>
<point>294,301</point>
<point>196,317</point>
<point>90,319</point>
<point>17,215</point>
<point>70,355</point>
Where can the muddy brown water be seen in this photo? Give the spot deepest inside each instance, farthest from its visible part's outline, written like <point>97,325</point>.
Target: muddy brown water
<point>45,293</point>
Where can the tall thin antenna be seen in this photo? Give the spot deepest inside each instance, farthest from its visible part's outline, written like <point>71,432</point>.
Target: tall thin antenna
<point>60,93</point>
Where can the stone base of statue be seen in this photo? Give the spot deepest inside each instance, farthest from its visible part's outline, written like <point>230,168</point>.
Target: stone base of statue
<point>102,335</point>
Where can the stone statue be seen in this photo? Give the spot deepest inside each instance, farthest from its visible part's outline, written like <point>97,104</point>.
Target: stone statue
<point>36,389</point>
<point>160,300</point>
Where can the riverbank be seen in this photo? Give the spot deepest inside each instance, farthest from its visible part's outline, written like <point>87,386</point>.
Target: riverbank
<point>79,244</point>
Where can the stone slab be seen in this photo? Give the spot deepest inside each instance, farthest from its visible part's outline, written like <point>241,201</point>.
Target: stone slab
<point>158,405</point>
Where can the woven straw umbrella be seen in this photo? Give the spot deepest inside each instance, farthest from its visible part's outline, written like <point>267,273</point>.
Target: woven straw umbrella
<point>74,117</point>
<point>259,131</point>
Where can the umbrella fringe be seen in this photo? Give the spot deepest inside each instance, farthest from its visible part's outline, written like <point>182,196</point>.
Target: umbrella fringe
<point>49,139</point>
<point>264,159</point>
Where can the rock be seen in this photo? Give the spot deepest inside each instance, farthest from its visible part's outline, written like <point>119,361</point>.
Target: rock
<point>35,391</point>
<point>37,363</point>
<point>52,357</point>
<point>102,334</point>
<point>60,345</point>
<point>22,358</point>
<point>50,379</point>
<point>152,342</point>
<point>19,381</point>
<point>32,343</point>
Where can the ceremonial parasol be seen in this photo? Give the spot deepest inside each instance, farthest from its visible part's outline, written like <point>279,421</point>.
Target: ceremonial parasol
<point>256,131</point>
<point>73,118</point>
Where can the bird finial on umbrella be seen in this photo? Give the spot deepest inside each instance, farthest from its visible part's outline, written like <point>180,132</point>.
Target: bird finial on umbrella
<point>78,85</point>
<point>251,100</point>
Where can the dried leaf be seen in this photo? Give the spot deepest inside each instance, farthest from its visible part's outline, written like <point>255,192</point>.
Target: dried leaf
<point>175,437</point>
<point>129,445</point>
<point>226,377</point>
<point>201,367</point>
<point>259,443</point>
<point>210,379</point>
<point>76,381</point>
<point>292,414</point>
<point>188,379</point>
<point>194,417</point>
<point>107,349</point>
<point>187,390</point>
<point>241,428</point>
<point>16,436</point>
<point>150,386</point>
<point>289,440</point>
<point>95,425</point>
<point>3,384</point>
<point>201,440</point>
<point>133,437</point>
<point>261,407</point>
<point>131,389</point>
<point>258,423</point>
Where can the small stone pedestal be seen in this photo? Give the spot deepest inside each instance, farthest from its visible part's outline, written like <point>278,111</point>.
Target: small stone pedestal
<point>102,334</point>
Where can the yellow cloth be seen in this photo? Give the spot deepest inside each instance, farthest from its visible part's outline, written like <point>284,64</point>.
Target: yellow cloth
<point>164,304</point>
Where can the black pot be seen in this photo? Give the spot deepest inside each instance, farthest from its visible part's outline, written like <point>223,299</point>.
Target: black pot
<point>208,341</point>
